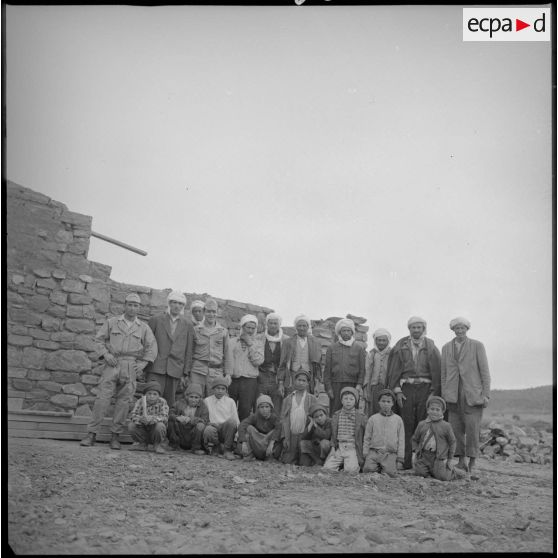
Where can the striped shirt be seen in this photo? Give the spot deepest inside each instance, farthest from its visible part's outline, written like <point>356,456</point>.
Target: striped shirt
<point>346,428</point>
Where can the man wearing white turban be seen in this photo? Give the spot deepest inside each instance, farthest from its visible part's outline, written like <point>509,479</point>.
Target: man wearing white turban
<point>466,389</point>
<point>246,356</point>
<point>175,342</point>
<point>197,311</point>
<point>300,352</point>
<point>375,377</point>
<point>272,339</point>
<point>344,364</point>
<point>413,375</point>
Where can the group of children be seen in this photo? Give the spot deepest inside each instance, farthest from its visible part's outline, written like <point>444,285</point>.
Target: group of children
<point>302,433</point>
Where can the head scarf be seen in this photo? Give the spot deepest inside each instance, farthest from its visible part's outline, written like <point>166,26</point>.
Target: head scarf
<point>177,296</point>
<point>248,318</point>
<point>382,333</point>
<point>460,321</point>
<point>274,338</point>
<point>197,303</point>
<point>345,322</point>
<point>417,320</point>
<point>194,389</point>
<point>304,318</point>
<point>152,386</point>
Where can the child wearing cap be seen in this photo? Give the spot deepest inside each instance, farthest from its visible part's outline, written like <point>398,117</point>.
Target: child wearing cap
<point>347,435</point>
<point>293,417</point>
<point>434,444</point>
<point>316,440</point>
<point>188,418</point>
<point>259,432</point>
<point>223,419</point>
<point>149,419</point>
<point>384,438</point>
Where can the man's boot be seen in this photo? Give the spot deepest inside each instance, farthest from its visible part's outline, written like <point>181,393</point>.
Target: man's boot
<point>89,440</point>
<point>114,443</point>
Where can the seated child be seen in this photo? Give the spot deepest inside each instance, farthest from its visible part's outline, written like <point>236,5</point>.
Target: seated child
<point>384,438</point>
<point>188,418</point>
<point>347,435</point>
<point>434,444</point>
<point>293,417</point>
<point>316,440</point>
<point>223,419</point>
<point>149,419</point>
<point>258,432</point>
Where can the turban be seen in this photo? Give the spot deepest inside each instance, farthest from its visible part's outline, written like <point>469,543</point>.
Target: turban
<point>345,322</point>
<point>133,297</point>
<point>436,398</point>
<point>303,318</point>
<point>460,321</point>
<point>273,316</point>
<point>194,389</point>
<point>386,392</point>
<point>316,407</point>
<point>197,304</point>
<point>248,318</point>
<point>177,296</point>
<point>211,304</point>
<point>302,373</point>
<point>152,386</point>
<point>416,320</point>
<point>264,399</point>
<point>350,390</point>
<point>221,381</point>
<point>382,333</point>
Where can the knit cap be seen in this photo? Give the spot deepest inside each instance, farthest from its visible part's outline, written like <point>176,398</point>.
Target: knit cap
<point>387,392</point>
<point>316,407</point>
<point>194,389</point>
<point>264,399</point>
<point>307,374</point>
<point>351,390</point>
<point>438,399</point>
<point>221,381</point>
<point>152,386</point>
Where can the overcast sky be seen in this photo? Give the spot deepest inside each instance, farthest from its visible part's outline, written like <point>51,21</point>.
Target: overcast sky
<point>316,159</point>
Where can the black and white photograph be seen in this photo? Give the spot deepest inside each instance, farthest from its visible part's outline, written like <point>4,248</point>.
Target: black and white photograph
<point>279,279</point>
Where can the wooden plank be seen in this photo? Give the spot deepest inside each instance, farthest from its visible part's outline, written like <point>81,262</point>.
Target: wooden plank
<point>102,437</point>
<point>57,419</point>
<point>23,425</point>
<point>41,413</point>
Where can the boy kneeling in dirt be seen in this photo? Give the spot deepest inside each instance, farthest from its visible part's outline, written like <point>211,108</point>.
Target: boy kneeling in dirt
<point>316,440</point>
<point>347,435</point>
<point>259,432</point>
<point>223,419</point>
<point>434,444</point>
<point>149,419</point>
<point>384,438</point>
<point>188,418</point>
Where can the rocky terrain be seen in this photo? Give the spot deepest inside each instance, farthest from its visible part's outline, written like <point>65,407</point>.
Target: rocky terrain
<point>65,499</point>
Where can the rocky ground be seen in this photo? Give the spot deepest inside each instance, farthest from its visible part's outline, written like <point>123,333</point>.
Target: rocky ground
<point>65,499</point>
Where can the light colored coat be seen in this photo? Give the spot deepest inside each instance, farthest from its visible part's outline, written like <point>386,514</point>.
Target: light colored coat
<point>471,366</point>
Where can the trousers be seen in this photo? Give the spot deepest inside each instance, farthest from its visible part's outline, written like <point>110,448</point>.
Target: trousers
<point>148,433</point>
<point>187,436</point>
<point>314,452</point>
<point>412,412</point>
<point>426,465</point>
<point>224,433</point>
<point>345,455</point>
<point>465,421</point>
<point>381,462</point>
<point>267,385</point>
<point>244,391</point>
<point>204,380</point>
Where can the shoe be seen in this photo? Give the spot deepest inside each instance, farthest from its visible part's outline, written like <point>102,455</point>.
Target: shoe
<point>89,440</point>
<point>158,449</point>
<point>198,452</point>
<point>462,466</point>
<point>114,443</point>
<point>138,447</point>
<point>229,455</point>
<point>248,458</point>
<point>210,451</point>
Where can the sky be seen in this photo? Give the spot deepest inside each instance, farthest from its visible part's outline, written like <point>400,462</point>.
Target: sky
<point>322,160</point>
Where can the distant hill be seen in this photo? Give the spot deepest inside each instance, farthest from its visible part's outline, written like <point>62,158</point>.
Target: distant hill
<point>530,400</point>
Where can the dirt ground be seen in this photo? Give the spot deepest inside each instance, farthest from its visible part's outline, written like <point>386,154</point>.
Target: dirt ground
<point>66,499</point>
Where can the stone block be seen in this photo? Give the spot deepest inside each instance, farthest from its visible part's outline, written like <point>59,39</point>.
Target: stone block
<point>357,319</point>
<point>73,311</point>
<point>361,328</point>
<point>83,411</point>
<point>59,274</point>
<point>99,271</point>
<point>15,403</point>
<point>65,400</point>
<point>24,316</point>
<point>527,442</point>
<point>63,336</point>
<point>39,406</point>
<point>74,263</point>
<point>116,309</point>
<point>81,233</point>
<point>79,325</point>
<point>56,311</point>
<point>15,298</point>
<point>87,400</point>
<point>41,272</point>
<point>33,358</point>
<point>74,389</point>
<point>18,279</point>
<point>48,345</point>
<point>41,233</point>
<point>15,393</point>
<point>117,296</point>
<point>85,343</point>
<point>73,286</point>
<point>100,308</point>
<point>159,297</point>
<point>51,256</point>
<point>22,384</point>
<point>40,375</point>
<point>20,340</point>
<point>39,334</point>
<point>16,372</point>
<point>75,361</point>
<point>59,297</point>
<point>99,291</point>
<point>78,247</point>
<point>74,298</point>
<point>47,283</point>
<point>322,332</point>
<point>40,291</point>
<point>18,329</point>
<point>15,356</point>
<point>50,324</point>
<point>65,377</point>
<point>89,311</point>
<point>77,219</point>
<point>64,236</point>
<point>89,379</point>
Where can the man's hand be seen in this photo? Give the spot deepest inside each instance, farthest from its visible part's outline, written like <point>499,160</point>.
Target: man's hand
<point>485,402</point>
<point>139,365</point>
<point>330,393</point>
<point>184,381</point>
<point>281,389</point>
<point>286,443</point>
<point>110,360</point>
<point>248,339</point>
<point>400,399</point>
<point>245,448</point>
<point>311,424</point>
<point>359,391</point>
<point>269,450</point>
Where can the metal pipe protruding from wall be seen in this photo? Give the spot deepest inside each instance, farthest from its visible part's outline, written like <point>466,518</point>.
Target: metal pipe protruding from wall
<point>118,243</point>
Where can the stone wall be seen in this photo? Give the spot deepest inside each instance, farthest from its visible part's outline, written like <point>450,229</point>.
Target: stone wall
<point>57,299</point>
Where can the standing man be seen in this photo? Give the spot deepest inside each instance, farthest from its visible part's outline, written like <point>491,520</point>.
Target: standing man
<point>344,364</point>
<point>197,311</point>
<point>211,357</point>
<point>466,389</point>
<point>375,377</point>
<point>272,339</point>
<point>127,345</point>
<point>301,352</point>
<point>247,355</point>
<point>175,343</point>
<point>413,375</point>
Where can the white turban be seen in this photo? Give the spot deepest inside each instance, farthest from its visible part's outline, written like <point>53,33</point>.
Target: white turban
<point>460,321</point>
<point>416,320</point>
<point>197,304</point>
<point>177,296</point>
<point>345,322</point>
<point>303,318</point>
<point>248,318</point>
<point>382,333</point>
<point>273,316</point>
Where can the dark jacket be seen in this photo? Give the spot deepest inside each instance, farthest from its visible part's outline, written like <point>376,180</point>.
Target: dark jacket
<point>265,426</point>
<point>443,434</point>
<point>287,355</point>
<point>286,411</point>
<point>401,364</point>
<point>344,364</point>
<point>360,427</point>
<point>317,433</point>
<point>201,415</point>
<point>174,355</point>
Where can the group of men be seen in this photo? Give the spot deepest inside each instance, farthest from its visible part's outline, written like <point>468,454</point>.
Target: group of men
<point>176,351</point>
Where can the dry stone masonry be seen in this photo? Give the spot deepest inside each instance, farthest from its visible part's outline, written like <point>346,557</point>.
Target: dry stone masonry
<point>57,299</point>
